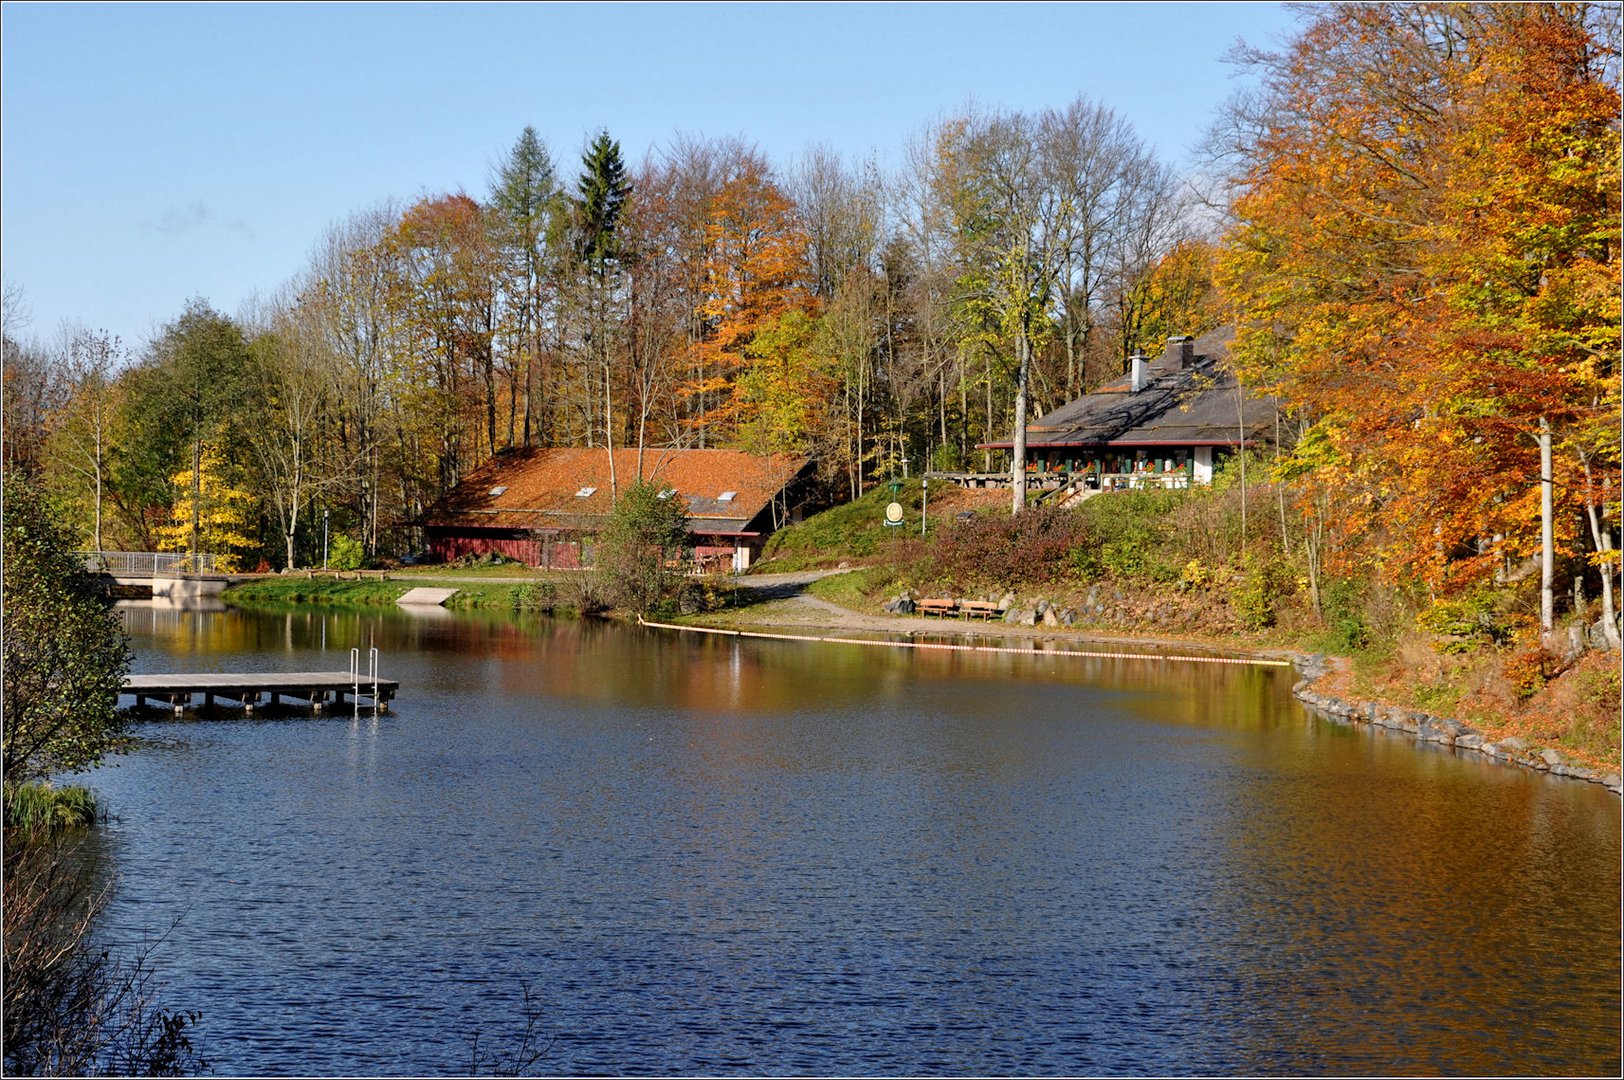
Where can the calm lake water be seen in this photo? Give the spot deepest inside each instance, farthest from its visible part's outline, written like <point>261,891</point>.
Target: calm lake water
<point>722,856</point>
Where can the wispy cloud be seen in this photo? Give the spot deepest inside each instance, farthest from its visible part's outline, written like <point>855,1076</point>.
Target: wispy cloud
<point>196,217</point>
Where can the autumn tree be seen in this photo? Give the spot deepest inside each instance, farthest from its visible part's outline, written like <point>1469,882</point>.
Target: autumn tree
<point>444,297</point>
<point>1116,210</point>
<point>754,271</point>
<point>1176,297</point>
<point>842,208</point>
<point>784,389</point>
<point>348,294</point>
<point>291,419</point>
<point>1425,266</point>
<point>27,393</point>
<point>213,510</point>
<point>667,248</point>
<point>1007,228</point>
<point>187,391</point>
<point>82,428</point>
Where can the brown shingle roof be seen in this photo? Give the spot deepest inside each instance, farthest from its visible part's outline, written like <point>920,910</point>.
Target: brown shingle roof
<point>540,487</point>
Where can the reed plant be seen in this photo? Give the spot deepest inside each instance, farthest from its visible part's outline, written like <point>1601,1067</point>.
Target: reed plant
<point>41,806</point>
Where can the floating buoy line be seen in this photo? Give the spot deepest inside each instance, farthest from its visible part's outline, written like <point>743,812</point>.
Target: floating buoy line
<point>947,647</point>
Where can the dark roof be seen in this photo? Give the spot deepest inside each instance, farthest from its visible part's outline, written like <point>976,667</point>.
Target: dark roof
<point>1194,406</point>
<point>536,488</point>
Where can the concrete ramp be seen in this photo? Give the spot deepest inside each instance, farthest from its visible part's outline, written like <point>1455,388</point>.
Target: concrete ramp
<point>425,597</point>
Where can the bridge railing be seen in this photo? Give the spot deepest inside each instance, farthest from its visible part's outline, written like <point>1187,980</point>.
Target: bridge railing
<point>146,563</point>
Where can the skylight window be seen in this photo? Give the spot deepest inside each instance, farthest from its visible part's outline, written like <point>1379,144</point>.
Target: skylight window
<point>585,493</point>
<point>499,489</point>
<point>727,496</point>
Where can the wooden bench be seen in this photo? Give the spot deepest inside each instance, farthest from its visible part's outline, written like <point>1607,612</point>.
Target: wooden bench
<point>348,575</point>
<point>943,606</point>
<point>981,609</point>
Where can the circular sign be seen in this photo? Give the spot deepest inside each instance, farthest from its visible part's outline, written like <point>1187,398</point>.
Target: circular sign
<point>893,513</point>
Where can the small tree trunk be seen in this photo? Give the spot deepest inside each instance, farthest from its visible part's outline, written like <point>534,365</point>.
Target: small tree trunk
<point>1602,537</point>
<point>197,492</point>
<point>1017,468</point>
<point>1547,545</point>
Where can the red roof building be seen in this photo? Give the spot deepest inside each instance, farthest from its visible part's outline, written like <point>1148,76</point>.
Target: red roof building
<point>542,506</point>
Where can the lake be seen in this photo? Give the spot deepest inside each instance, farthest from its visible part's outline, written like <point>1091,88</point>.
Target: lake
<point>707,855</point>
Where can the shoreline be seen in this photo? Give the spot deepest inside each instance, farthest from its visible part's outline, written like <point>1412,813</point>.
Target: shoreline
<point>786,606</point>
<point>801,612</point>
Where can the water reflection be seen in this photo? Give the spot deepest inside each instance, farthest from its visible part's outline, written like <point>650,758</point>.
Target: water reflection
<point>726,855</point>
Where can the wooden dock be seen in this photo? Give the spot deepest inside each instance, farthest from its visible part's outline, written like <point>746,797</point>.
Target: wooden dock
<point>314,690</point>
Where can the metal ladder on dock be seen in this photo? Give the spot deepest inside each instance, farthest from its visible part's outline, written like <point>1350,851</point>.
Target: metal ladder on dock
<point>355,678</point>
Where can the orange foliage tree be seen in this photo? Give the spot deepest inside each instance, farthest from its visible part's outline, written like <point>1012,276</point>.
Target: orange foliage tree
<point>1425,267</point>
<point>755,271</point>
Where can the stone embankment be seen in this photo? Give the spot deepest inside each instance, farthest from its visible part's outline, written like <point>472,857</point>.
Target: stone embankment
<point>1441,730</point>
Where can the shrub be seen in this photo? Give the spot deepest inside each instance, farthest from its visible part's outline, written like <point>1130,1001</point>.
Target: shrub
<point>1464,623</point>
<point>589,598</point>
<point>1343,606</point>
<point>535,596</point>
<point>1528,670</point>
<point>1129,536</point>
<point>1196,575</point>
<point>643,531</point>
<point>65,654</point>
<point>344,552</point>
<point>1256,592</point>
<point>947,458</point>
<point>1036,546</point>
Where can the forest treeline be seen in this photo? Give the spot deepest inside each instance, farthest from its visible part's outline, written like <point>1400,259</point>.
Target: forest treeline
<point>702,299</point>
<point>1411,220</point>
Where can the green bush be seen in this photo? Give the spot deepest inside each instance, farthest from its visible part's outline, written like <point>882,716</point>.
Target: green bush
<point>1256,592</point>
<point>344,552</point>
<point>535,596</point>
<point>1129,537</point>
<point>1343,606</point>
<point>642,533</point>
<point>947,458</point>
<point>65,653</point>
<point>1464,623</point>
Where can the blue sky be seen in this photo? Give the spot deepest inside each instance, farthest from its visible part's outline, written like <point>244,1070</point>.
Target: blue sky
<point>151,153</point>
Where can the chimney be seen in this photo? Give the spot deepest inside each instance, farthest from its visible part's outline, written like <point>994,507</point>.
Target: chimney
<point>1139,368</point>
<point>1180,353</point>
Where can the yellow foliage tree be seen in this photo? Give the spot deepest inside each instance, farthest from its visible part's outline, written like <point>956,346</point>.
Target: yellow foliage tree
<point>224,511</point>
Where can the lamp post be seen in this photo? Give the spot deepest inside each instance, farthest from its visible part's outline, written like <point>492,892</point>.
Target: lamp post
<point>924,502</point>
<point>324,539</point>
